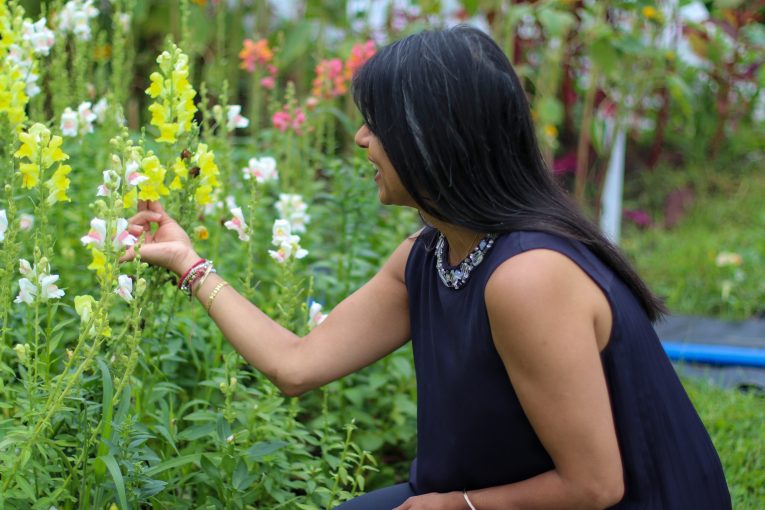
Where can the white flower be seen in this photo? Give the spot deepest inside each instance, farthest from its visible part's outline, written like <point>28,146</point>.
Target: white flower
<point>40,37</point>
<point>293,209</point>
<point>132,176</point>
<point>315,316</point>
<point>262,169</point>
<point>124,20</point>
<point>48,289</point>
<point>124,288</point>
<point>111,182</point>
<point>86,117</point>
<point>122,237</point>
<point>25,268</point>
<point>100,109</point>
<point>26,221</point>
<point>235,118</point>
<point>27,292</point>
<point>288,244</point>
<point>3,224</point>
<point>727,258</point>
<point>237,223</point>
<point>97,233</point>
<point>74,17</point>
<point>69,122</point>
<point>281,232</point>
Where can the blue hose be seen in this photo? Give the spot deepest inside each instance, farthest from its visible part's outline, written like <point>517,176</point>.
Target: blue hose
<point>715,354</point>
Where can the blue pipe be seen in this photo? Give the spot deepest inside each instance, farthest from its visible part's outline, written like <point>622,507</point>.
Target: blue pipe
<point>715,354</point>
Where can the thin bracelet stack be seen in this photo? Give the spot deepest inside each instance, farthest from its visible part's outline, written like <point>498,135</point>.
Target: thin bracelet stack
<point>200,270</point>
<point>467,500</point>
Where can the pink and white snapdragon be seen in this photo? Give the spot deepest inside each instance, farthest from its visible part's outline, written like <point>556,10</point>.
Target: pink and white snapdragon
<point>39,36</point>
<point>111,183</point>
<point>97,234</point>
<point>75,17</point>
<point>238,224</point>
<point>124,288</point>
<point>133,177</point>
<point>261,169</point>
<point>69,122</point>
<point>26,222</point>
<point>287,243</point>
<point>100,109</point>
<point>86,117</point>
<point>293,209</point>
<point>234,117</point>
<point>315,315</point>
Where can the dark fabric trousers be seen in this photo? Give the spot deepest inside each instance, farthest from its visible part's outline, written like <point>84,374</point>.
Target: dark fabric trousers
<point>381,499</point>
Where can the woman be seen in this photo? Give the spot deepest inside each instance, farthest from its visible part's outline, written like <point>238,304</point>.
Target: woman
<point>541,383</point>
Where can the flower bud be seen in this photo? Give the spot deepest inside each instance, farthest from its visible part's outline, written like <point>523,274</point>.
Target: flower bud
<point>21,351</point>
<point>140,287</point>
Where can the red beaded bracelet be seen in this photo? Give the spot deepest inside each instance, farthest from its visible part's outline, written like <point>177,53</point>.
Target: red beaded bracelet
<point>195,264</point>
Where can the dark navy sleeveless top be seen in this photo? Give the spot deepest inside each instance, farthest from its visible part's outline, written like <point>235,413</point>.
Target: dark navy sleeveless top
<point>471,430</point>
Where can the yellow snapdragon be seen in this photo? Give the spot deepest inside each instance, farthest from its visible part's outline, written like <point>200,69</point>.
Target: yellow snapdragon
<point>154,186</point>
<point>41,151</point>
<point>173,110</point>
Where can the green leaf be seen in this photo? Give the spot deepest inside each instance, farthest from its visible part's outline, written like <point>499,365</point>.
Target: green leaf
<point>173,463</point>
<point>241,476</point>
<point>106,416</point>
<point>119,482</point>
<point>603,54</point>
<point>196,431</point>
<point>556,23</point>
<point>263,448</point>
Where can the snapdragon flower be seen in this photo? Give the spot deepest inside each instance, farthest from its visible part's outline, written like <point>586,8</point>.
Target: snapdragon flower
<point>124,288</point>
<point>238,224</point>
<point>315,315</point>
<point>86,117</point>
<point>75,17</point>
<point>42,151</point>
<point>261,169</point>
<point>293,209</point>
<point>97,234</point>
<point>39,36</point>
<point>26,222</point>
<point>100,109</point>
<point>3,224</point>
<point>287,243</point>
<point>173,110</point>
<point>37,282</point>
<point>234,117</point>
<point>69,122</point>
<point>111,183</point>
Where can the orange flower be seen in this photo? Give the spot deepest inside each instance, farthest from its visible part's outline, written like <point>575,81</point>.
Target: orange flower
<point>360,53</point>
<point>330,79</point>
<point>255,53</point>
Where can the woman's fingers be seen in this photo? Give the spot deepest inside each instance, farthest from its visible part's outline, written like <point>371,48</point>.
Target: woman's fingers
<point>144,218</point>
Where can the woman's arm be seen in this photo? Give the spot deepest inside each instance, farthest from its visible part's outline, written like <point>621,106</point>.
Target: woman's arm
<point>366,326</point>
<point>549,321</point>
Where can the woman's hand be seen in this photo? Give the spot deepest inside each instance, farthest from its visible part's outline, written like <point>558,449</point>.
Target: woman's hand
<point>435,501</point>
<point>168,247</point>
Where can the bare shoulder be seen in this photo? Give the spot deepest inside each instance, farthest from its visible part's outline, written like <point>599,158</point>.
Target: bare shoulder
<point>396,265</point>
<point>543,292</point>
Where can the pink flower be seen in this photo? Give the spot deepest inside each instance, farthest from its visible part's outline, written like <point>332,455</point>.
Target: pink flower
<point>281,120</point>
<point>639,218</point>
<point>269,82</point>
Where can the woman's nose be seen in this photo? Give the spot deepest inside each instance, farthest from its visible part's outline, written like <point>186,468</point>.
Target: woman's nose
<point>362,137</point>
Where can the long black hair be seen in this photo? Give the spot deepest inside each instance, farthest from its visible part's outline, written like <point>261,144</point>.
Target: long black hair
<point>453,119</point>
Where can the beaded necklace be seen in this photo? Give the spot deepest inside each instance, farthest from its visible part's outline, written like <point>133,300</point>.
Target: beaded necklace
<point>456,277</point>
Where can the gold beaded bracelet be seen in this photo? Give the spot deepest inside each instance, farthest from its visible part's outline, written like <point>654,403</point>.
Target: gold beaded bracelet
<point>202,281</point>
<point>213,294</point>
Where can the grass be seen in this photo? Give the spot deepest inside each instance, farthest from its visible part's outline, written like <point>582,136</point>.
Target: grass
<point>736,422</point>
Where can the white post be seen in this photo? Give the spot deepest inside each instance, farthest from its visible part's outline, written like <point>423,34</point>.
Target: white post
<point>611,204</point>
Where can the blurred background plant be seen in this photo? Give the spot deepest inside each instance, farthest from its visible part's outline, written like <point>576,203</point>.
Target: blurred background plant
<point>244,127</point>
